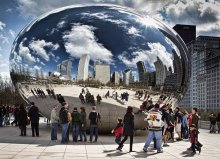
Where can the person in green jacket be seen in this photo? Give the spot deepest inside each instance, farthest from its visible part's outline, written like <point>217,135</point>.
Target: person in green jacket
<point>76,121</point>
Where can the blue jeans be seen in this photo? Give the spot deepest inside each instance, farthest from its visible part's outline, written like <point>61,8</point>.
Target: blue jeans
<point>64,132</point>
<point>154,134</point>
<point>118,140</point>
<point>54,131</point>
<point>75,132</point>
<point>93,131</point>
<point>82,134</point>
<point>185,132</point>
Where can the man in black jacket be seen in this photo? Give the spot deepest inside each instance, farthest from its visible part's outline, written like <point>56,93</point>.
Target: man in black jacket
<point>64,121</point>
<point>94,118</point>
<point>33,113</point>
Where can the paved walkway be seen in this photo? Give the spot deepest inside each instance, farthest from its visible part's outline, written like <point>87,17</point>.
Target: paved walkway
<point>14,146</point>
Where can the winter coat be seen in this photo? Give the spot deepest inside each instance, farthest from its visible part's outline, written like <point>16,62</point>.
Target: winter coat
<point>83,121</point>
<point>128,124</point>
<point>34,114</point>
<point>22,117</point>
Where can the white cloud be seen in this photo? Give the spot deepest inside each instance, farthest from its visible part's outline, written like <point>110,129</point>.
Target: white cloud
<point>12,33</point>
<point>24,52</point>
<point>2,25</point>
<point>39,47</point>
<point>148,56</point>
<point>81,40</point>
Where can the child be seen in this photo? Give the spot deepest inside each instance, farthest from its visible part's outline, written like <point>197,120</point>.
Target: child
<point>193,139</point>
<point>118,131</point>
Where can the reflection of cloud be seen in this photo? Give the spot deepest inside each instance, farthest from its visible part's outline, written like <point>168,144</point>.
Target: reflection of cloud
<point>172,45</point>
<point>2,25</point>
<point>81,40</point>
<point>148,56</point>
<point>104,16</point>
<point>37,67</point>
<point>24,52</point>
<point>133,31</point>
<point>61,24</point>
<point>39,47</point>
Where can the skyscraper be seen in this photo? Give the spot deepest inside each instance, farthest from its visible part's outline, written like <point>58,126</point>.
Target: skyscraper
<point>142,71</point>
<point>83,67</point>
<point>161,72</point>
<point>65,69</point>
<point>116,78</point>
<point>127,76</point>
<point>102,73</point>
<point>186,32</point>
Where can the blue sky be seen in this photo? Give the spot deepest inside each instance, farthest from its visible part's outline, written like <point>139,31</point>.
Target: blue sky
<point>15,14</point>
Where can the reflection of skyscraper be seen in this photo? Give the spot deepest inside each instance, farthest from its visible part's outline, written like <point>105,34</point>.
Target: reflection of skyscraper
<point>161,72</point>
<point>115,78</point>
<point>142,71</point>
<point>102,73</point>
<point>83,67</point>
<point>177,65</point>
<point>65,69</point>
<point>127,76</point>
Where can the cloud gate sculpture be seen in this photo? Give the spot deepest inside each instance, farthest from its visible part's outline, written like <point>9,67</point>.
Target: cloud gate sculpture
<point>99,49</point>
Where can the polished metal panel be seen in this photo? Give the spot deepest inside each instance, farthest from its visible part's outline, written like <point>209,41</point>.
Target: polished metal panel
<point>99,48</point>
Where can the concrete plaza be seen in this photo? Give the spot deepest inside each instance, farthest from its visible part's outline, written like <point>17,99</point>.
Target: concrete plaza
<point>16,147</point>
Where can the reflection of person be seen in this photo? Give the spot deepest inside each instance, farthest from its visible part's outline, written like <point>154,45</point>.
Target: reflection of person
<point>22,120</point>
<point>34,118</point>
<point>54,123</point>
<point>128,128</point>
<point>99,98</point>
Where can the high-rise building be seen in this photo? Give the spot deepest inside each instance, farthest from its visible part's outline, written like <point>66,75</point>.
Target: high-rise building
<point>186,32</point>
<point>142,71</point>
<point>116,78</point>
<point>83,68</point>
<point>203,87</point>
<point>102,73</point>
<point>161,72</point>
<point>127,77</point>
<point>65,68</point>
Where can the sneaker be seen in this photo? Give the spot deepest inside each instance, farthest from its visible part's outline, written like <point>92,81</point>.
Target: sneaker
<point>145,149</point>
<point>160,151</point>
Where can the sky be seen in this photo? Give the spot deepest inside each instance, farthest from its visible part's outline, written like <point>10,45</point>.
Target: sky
<point>16,14</point>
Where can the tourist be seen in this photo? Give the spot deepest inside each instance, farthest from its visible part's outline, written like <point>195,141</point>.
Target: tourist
<point>34,119</point>
<point>83,125</point>
<point>178,122</point>
<point>82,99</point>
<point>69,114</point>
<point>54,123</point>
<point>76,121</point>
<point>193,136</point>
<point>155,128</point>
<point>63,115</point>
<point>195,144</point>
<point>166,120</point>
<point>99,98</point>
<point>94,118</point>
<point>118,131</point>
<point>213,121</point>
<point>171,125</point>
<point>16,114</point>
<point>128,129</point>
<point>185,126</point>
<point>22,120</point>
<point>218,122</point>
<point>10,111</point>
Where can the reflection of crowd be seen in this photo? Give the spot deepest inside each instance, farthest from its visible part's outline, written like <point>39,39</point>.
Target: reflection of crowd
<point>89,98</point>
<point>39,92</point>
